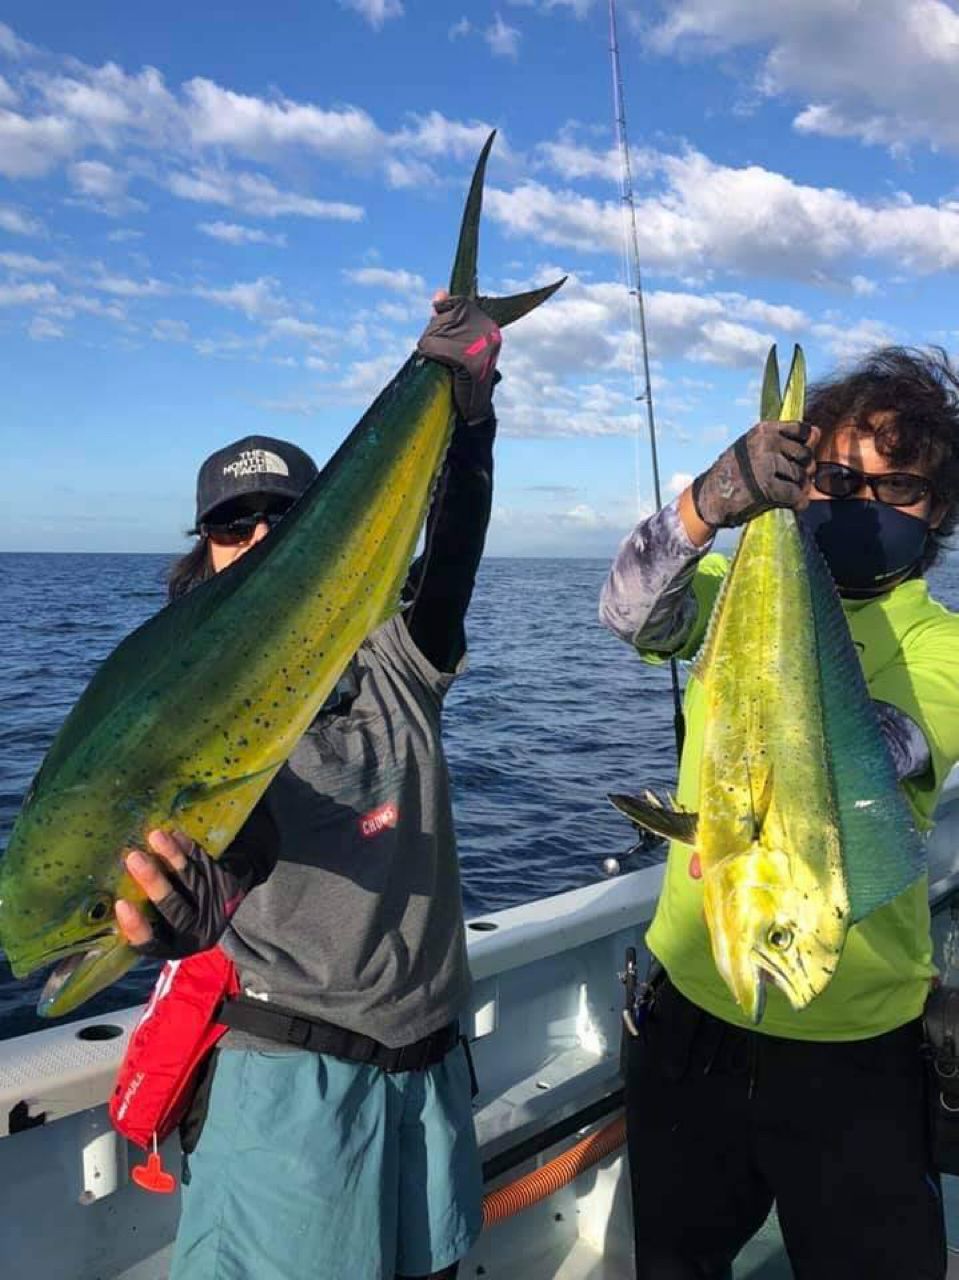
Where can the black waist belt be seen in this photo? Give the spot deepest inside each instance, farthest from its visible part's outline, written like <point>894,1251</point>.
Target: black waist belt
<point>285,1027</point>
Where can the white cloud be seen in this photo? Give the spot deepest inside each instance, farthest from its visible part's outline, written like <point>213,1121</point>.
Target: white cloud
<point>103,188</point>
<point>502,39</point>
<point>19,223</point>
<point>461,28</point>
<point>171,331</point>
<point>398,281</point>
<point>256,195</point>
<point>94,178</point>
<point>22,295</point>
<point>253,126</point>
<point>107,106</point>
<point>678,481</point>
<point>125,234</point>
<point>124,287</point>
<point>41,328</point>
<point>8,95</point>
<point>376,12</point>
<point>30,148</point>
<point>233,233</point>
<point>300,330</point>
<point>12,45</point>
<point>436,135</point>
<point>27,264</point>
<point>573,161</point>
<point>848,341</point>
<point>886,73</point>
<point>712,217</point>
<point>257,299</point>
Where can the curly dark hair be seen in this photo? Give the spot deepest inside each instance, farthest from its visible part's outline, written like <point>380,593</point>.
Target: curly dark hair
<point>919,390</point>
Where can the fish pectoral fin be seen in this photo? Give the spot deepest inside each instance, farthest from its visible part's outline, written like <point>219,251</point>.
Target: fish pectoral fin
<point>761,803</point>
<point>651,814</point>
<point>202,810</point>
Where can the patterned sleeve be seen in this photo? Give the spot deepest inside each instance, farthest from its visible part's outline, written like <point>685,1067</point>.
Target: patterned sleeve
<point>649,599</point>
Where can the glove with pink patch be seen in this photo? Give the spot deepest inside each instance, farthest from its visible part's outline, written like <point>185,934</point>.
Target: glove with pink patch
<point>465,339</point>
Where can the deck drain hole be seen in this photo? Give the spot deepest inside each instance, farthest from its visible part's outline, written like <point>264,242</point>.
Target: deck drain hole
<point>482,926</point>
<point>100,1031</point>
<point>542,1084</point>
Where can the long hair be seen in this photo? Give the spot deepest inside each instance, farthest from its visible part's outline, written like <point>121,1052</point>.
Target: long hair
<point>190,570</point>
<point>919,391</point>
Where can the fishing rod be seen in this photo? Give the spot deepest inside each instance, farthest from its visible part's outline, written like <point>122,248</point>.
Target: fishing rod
<point>635,290</point>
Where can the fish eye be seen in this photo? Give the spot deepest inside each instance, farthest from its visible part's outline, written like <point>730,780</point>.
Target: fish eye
<point>779,937</point>
<point>99,908</point>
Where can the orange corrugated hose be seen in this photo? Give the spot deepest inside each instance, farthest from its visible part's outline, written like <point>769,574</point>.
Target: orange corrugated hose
<point>539,1184</point>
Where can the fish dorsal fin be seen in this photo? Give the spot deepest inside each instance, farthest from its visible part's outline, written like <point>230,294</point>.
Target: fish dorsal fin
<point>882,851</point>
<point>770,398</point>
<point>652,814</point>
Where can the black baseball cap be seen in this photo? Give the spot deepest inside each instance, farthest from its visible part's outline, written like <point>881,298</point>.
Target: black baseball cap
<point>254,465</point>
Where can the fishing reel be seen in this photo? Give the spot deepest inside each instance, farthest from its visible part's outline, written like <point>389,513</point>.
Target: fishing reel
<point>647,843</point>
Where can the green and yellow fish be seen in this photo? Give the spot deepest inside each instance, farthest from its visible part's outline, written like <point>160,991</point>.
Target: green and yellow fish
<point>801,828</point>
<point>188,720</point>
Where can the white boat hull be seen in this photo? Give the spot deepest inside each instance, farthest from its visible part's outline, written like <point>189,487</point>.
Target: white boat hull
<point>545,1025</point>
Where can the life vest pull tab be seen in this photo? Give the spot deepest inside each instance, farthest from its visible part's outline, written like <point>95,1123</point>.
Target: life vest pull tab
<point>152,1176</point>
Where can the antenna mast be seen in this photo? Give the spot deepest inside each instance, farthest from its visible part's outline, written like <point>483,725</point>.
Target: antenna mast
<point>635,284</point>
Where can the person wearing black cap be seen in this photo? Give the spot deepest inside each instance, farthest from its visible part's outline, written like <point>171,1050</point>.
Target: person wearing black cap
<point>338,1139</point>
<point>242,490</point>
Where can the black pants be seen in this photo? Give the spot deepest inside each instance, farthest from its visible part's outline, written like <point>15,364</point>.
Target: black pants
<point>722,1122</point>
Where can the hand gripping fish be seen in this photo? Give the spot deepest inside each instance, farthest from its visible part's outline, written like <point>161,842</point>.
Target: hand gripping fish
<point>801,827</point>
<point>188,720</point>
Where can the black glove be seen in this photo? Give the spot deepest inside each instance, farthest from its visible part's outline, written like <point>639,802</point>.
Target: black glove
<point>206,893</point>
<point>767,467</point>
<point>465,339</point>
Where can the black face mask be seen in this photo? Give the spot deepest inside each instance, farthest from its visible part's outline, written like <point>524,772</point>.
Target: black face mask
<point>868,546</point>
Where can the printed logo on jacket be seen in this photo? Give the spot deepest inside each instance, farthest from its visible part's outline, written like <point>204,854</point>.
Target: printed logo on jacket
<point>379,819</point>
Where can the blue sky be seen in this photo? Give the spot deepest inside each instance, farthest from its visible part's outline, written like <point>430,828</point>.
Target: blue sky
<point>224,219</point>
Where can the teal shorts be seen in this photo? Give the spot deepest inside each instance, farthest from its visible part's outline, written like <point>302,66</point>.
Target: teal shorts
<point>311,1168</point>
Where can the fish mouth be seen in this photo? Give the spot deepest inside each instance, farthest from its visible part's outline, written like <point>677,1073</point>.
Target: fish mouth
<point>84,971</point>
<point>769,971</point>
<point>28,959</point>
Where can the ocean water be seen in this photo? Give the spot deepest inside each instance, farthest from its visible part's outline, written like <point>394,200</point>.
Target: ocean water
<point>552,713</point>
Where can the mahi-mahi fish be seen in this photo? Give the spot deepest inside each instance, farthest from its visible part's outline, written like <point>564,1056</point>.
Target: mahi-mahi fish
<point>188,720</point>
<point>800,828</point>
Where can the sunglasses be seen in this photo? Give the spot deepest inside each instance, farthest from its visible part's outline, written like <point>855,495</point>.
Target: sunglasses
<point>894,488</point>
<point>234,533</point>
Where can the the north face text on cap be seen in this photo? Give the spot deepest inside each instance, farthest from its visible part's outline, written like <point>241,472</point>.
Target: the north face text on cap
<point>252,462</point>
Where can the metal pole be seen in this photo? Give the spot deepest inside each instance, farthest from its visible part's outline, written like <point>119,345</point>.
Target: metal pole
<point>636,291</point>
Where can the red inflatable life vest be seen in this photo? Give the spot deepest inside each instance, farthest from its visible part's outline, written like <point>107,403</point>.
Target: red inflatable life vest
<point>169,1045</point>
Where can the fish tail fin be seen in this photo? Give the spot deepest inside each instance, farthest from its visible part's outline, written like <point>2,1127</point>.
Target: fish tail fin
<point>770,398</point>
<point>650,813</point>
<point>505,310</point>
<point>463,278</point>
<point>794,397</point>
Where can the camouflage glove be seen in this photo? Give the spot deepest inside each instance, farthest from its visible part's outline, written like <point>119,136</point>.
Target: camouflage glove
<point>769,466</point>
<point>466,340</point>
